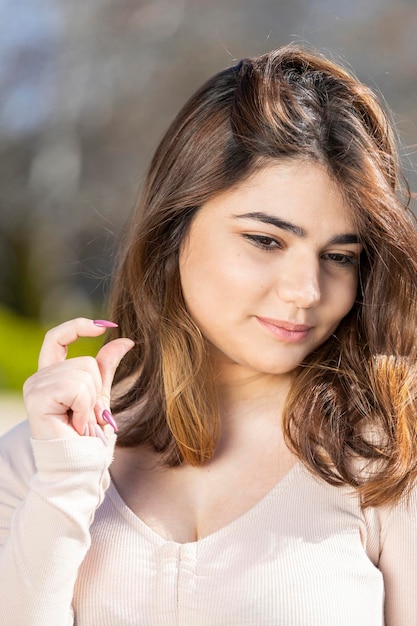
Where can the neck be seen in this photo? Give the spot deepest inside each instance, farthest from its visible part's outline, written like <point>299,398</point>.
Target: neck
<point>250,407</point>
<point>246,392</point>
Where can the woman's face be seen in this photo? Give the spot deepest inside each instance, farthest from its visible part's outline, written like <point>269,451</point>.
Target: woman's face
<point>268,269</point>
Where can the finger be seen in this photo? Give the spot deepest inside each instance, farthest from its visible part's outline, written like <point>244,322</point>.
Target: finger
<point>55,345</point>
<point>108,359</point>
<point>52,390</point>
<point>82,413</point>
<point>62,400</point>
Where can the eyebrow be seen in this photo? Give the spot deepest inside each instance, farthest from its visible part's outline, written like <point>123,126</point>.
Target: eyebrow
<point>265,218</point>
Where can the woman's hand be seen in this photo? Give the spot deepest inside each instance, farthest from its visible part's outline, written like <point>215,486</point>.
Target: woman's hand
<point>66,398</point>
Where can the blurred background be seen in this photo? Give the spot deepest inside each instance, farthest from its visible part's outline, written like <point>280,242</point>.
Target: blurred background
<point>87,89</point>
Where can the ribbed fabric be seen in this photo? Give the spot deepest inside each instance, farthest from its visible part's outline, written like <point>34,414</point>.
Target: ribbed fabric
<point>305,555</point>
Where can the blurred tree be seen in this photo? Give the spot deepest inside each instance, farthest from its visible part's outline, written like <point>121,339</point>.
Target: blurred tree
<point>88,87</point>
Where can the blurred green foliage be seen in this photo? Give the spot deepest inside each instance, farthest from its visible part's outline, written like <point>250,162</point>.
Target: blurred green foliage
<point>20,342</point>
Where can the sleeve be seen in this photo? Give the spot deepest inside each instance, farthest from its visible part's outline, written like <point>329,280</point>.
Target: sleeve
<point>49,492</point>
<point>398,562</point>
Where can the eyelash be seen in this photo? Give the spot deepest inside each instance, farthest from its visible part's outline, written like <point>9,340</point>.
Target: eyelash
<point>269,245</point>
<point>264,242</point>
<point>343,260</point>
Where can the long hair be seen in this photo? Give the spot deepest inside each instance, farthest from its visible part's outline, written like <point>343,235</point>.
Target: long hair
<point>351,411</point>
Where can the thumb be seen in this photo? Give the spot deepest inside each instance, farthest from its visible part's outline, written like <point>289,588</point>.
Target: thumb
<point>108,358</point>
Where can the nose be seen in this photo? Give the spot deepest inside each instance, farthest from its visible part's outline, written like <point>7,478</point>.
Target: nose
<point>299,284</point>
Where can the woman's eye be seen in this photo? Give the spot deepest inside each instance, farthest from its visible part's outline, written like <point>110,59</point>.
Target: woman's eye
<point>344,260</point>
<point>263,241</point>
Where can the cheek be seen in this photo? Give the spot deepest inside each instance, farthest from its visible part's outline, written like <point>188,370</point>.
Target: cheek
<point>215,270</point>
<point>201,278</point>
<point>347,296</point>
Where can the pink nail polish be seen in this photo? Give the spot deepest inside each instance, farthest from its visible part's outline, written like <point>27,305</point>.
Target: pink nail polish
<point>108,417</point>
<point>101,435</point>
<point>105,324</point>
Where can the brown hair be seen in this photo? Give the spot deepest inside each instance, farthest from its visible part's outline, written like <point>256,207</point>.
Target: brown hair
<point>351,413</point>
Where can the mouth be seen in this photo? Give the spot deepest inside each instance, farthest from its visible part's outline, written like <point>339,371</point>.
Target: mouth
<point>285,331</point>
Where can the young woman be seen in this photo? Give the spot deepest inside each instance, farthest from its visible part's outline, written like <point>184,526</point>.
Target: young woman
<point>266,455</point>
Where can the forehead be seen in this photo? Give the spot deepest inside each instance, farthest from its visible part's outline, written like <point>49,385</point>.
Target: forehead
<point>300,191</point>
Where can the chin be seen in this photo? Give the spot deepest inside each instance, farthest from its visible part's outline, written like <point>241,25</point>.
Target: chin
<point>274,369</point>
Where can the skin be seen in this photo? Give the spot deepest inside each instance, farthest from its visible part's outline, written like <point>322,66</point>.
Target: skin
<point>67,396</point>
<point>264,295</point>
<point>268,270</point>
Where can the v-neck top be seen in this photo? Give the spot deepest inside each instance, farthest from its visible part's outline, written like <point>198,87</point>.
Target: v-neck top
<point>305,555</point>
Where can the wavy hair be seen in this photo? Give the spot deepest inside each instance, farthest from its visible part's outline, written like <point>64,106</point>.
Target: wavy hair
<point>351,412</point>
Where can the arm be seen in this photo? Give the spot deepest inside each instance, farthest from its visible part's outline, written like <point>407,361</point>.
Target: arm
<point>398,562</point>
<point>52,483</point>
<point>47,502</point>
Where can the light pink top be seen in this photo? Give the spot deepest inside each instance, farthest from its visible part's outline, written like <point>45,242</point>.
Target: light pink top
<point>305,555</point>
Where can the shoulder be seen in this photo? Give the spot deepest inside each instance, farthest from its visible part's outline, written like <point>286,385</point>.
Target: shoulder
<point>400,516</point>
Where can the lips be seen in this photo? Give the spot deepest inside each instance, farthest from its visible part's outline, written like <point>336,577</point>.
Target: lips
<point>285,331</point>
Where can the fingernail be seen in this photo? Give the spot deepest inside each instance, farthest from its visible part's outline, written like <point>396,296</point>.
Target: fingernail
<point>105,324</point>
<point>108,417</point>
<point>86,431</point>
<point>101,435</point>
